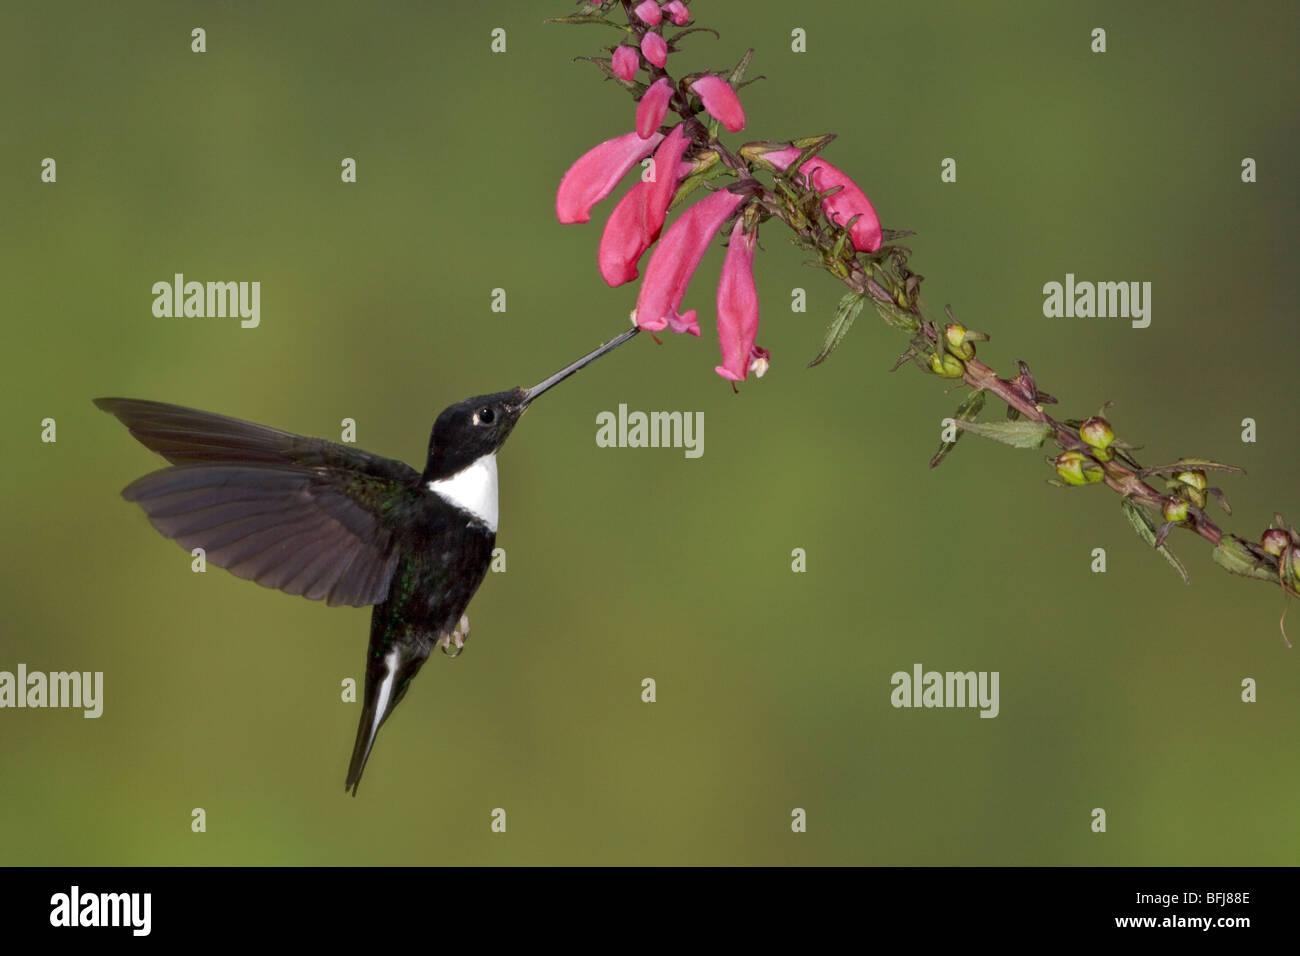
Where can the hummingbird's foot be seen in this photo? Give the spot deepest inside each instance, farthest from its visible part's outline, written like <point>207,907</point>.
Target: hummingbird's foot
<point>458,637</point>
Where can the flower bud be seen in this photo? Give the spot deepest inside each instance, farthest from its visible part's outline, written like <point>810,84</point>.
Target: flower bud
<point>655,49</point>
<point>955,335</point>
<point>1193,486</point>
<point>946,366</point>
<point>1076,468</point>
<point>1275,541</point>
<point>1175,509</point>
<point>677,12</point>
<point>721,101</point>
<point>625,62</point>
<point>1097,432</point>
<point>649,12</point>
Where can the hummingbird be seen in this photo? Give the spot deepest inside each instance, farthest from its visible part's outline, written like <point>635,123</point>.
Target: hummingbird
<point>335,523</point>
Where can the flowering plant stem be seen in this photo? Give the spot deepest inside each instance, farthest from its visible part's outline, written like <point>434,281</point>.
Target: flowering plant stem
<point>828,215</point>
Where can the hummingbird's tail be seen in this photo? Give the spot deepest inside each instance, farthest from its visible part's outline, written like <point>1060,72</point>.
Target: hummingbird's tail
<point>390,665</point>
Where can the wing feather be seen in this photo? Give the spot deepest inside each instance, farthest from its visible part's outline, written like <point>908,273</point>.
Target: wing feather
<point>299,514</point>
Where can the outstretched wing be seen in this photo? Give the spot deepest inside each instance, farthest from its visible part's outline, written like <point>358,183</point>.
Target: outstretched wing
<point>300,514</point>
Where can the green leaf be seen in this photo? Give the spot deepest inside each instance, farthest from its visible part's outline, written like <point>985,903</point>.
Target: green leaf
<point>1138,519</point>
<point>845,315</point>
<point>1016,434</point>
<point>967,411</point>
<point>587,18</point>
<point>896,317</point>
<point>1189,464</point>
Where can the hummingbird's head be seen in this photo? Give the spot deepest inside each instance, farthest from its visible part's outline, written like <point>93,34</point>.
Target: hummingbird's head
<point>479,426</point>
<point>468,430</point>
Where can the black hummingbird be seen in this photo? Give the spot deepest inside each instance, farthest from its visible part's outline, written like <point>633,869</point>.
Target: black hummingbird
<point>330,522</point>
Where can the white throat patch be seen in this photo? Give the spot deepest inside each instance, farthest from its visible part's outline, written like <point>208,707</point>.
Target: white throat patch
<point>473,490</point>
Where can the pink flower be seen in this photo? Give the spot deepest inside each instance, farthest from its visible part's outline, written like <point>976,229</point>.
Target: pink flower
<point>624,240</point>
<point>654,104</point>
<point>625,62</point>
<point>636,221</point>
<point>677,12</point>
<point>675,260</point>
<point>850,201</point>
<point>597,172</point>
<point>654,49</point>
<point>738,309</point>
<point>721,101</point>
<point>648,12</point>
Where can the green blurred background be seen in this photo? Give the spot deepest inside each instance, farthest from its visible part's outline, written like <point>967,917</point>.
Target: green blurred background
<point>1118,690</point>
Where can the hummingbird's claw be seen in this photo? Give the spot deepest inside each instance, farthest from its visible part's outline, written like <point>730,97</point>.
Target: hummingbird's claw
<point>458,637</point>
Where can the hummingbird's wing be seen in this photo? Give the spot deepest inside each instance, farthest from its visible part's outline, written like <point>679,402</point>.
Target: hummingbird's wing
<point>300,514</point>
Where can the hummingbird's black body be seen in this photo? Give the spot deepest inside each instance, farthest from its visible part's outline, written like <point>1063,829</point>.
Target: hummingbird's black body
<point>334,523</point>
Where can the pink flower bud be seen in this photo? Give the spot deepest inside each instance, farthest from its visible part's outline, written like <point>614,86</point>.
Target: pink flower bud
<point>625,62</point>
<point>721,101</point>
<point>654,104</point>
<point>597,172</point>
<point>648,12</point>
<point>654,49</point>
<point>738,308</point>
<point>677,12</point>
<point>636,221</point>
<point>675,260</point>
<point>850,201</point>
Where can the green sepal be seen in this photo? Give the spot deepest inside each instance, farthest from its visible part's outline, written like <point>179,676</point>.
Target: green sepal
<point>1234,556</point>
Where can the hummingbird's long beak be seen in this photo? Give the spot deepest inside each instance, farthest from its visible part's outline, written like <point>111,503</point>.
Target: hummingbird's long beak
<point>562,374</point>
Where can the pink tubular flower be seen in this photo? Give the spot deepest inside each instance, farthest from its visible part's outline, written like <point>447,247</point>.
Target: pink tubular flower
<point>677,12</point>
<point>738,309</point>
<point>597,172</point>
<point>675,260</point>
<point>636,221</point>
<point>721,101</point>
<point>649,13</point>
<point>850,201</point>
<point>654,104</point>
<point>655,49</point>
<point>625,62</point>
<point>624,240</point>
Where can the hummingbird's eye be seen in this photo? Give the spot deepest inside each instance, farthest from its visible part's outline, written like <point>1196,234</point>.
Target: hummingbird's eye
<point>486,416</point>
